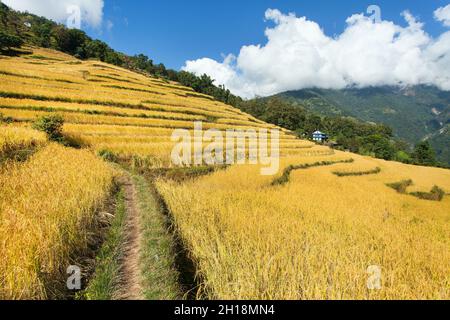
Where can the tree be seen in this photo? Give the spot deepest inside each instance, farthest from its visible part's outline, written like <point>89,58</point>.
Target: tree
<point>424,154</point>
<point>8,41</point>
<point>379,146</point>
<point>70,40</point>
<point>43,32</point>
<point>142,62</point>
<point>402,156</point>
<point>283,114</point>
<point>95,49</point>
<point>4,10</point>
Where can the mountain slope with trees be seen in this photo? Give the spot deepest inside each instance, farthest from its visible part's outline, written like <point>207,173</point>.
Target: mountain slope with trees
<point>415,113</point>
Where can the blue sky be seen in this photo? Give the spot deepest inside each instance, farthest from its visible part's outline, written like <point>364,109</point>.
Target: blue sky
<point>257,48</point>
<point>175,31</point>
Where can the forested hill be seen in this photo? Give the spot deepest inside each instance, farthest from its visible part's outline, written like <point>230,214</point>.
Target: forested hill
<point>415,113</point>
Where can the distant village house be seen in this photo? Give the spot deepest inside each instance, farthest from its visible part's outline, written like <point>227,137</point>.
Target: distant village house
<point>319,136</point>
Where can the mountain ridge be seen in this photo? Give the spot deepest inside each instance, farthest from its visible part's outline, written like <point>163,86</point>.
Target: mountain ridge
<point>415,113</point>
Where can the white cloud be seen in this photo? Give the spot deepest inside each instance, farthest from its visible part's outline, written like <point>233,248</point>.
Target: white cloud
<point>298,54</point>
<point>91,10</point>
<point>443,14</point>
<point>109,25</point>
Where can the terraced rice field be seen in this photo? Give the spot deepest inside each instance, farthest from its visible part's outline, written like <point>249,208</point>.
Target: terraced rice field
<point>104,107</point>
<point>313,236</point>
<point>316,236</point>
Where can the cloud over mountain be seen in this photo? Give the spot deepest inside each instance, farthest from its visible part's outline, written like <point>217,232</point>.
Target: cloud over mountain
<point>298,54</point>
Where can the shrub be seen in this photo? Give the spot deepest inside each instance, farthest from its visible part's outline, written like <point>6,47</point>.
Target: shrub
<point>52,126</point>
<point>436,194</point>
<point>107,155</point>
<point>401,186</point>
<point>8,41</point>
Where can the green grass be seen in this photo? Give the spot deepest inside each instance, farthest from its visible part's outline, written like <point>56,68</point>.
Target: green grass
<point>287,172</point>
<point>182,174</point>
<point>104,283</point>
<point>401,186</point>
<point>12,74</point>
<point>117,79</point>
<point>14,95</point>
<point>40,57</point>
<point>436,193</point>
<point>158,256</point>
<point>357,174</point>
<point>200,96</point>
<point>97,112</point>
<point>133,89</point>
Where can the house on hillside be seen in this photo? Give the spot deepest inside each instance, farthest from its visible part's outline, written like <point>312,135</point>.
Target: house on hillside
<point>319,136</point>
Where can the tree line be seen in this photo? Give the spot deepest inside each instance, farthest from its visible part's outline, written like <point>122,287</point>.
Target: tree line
<point>346,133</point>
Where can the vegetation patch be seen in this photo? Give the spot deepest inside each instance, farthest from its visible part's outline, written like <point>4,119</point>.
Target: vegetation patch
<point>52,125</point>
<point>9,41</point>
<point>287,172</point>
<point>108,155</point>
<point>162,279</point>
<point>104,283</point>
<point>134,89</point>
<point>357,173</point>
<point>117,79</point>
<point>168,86</point>
<point>13,95</point>
<point>183,174</point>
<point>200,96</point>
<point>107,113</point>
<point>5,120</point>
<point>436,193</point>
<point>7,73</point>
<point>401,186</point>
<point>41,57</point>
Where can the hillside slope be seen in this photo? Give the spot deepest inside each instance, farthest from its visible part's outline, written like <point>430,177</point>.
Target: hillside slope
<point>312,231</point>
<point>112,109</point>
<point>415,113</point>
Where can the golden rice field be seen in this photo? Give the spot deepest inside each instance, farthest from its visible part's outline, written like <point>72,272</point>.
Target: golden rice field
<point>14,138</point>
<point>313,237</point>
<point>47,208</point>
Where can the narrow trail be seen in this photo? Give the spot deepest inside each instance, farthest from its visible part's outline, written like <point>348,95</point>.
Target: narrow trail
<point>130,284</point>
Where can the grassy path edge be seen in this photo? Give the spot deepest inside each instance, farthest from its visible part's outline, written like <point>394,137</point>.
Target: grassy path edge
<point>158,256</point>
<point>157,272</point>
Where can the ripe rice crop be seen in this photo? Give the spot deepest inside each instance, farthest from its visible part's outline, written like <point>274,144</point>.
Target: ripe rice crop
<point>305,241</point>
<point>16,138</point>
<point>312,236</point>
<point>28,104</point>
<point>47,207</point>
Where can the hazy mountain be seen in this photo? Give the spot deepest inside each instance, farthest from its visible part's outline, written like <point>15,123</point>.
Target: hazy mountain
<point>415,113</point>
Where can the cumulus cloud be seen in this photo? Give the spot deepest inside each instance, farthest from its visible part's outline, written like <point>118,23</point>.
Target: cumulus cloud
<point>298,54</point>
<point>443,14</point>
<point>57,10</point>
